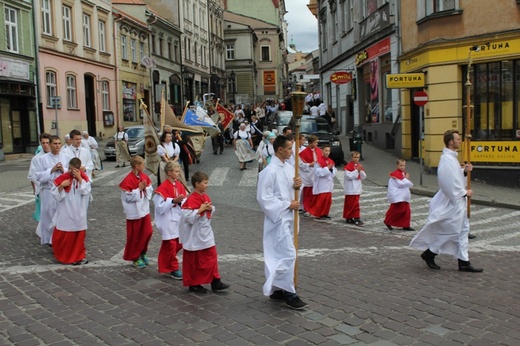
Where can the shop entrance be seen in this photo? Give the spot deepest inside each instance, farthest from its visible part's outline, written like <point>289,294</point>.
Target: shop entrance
<point>90,105</point>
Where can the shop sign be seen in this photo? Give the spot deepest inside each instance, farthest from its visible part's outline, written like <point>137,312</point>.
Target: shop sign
<point>404,80</point>
<point>14,68</point>
<point>341,77</point>
<point>503,151</point>
<point>375,22</point>
<point>378,49</point>
<point>360,57</point>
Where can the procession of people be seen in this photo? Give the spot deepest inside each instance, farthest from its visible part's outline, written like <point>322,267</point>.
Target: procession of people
<point>62,178</point>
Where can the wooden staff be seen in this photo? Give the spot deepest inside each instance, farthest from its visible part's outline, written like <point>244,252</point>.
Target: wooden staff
<point>297,101</point>
<point>467,131</point>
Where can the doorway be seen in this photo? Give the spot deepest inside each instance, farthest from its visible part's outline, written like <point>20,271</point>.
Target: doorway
<point>415,123</point>
<point>90,105</point>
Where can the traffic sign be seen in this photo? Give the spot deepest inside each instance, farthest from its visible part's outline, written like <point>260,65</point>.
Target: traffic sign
<point>420,98</point>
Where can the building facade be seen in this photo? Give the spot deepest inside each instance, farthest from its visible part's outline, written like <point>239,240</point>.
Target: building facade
<point>441,40</point>
<point>77,66</point>
<point>217,49</point>
<point>19,125</point>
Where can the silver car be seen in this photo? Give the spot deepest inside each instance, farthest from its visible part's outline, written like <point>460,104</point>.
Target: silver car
<point>135,142</point>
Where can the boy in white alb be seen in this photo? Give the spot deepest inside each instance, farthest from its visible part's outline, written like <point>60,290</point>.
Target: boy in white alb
<point>168,199</point>
<point>399,196</point>
<point>71,191</point>
<point>324,173</point>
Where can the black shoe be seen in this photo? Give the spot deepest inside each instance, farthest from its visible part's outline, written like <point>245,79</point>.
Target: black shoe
<point>408,229</point>
<point>277,295</point>
<point>358,222</point>
<point>326,217</point>
<point>389,227</point>
<point>296,303</point>
<point>465,266</point>
<point>218,285</point>
<point>221,152</point>
<point>471,236</point>
<point>83,261</point>
<point>197,289</point>
<point>214,153</point>
<point>349,220</point>
<point>428,257</point>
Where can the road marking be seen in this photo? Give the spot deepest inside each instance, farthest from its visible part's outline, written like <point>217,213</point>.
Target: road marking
<point>249,178</point>
<point>218,176</point>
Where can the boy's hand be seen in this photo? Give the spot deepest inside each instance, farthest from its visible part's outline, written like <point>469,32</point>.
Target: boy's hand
<point>407,175</point>
<point>142,185</point>
<point>297,182</point>
<point>295,205</point>
<point>65,183</point>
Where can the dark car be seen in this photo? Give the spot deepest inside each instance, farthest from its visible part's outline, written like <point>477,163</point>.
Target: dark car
<point>321,128</point>
<point>280,120</point>
<point>135,142</point>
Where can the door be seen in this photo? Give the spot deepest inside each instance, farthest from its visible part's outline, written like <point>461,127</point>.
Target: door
<point>414,121</point>
<point>7,127</point>
<point>90,105</point>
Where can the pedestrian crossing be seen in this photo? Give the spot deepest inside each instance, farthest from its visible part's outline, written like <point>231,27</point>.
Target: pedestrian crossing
<point>13,200</point>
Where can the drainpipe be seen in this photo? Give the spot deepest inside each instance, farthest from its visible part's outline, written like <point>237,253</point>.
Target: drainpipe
<point>118,17</point>
<point>39,122</point>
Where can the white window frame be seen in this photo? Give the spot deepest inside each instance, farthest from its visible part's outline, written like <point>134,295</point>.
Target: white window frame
<point>141,50</point>
<point>124,49</point>
<point>105,95</point>
<point>427,8</point>
<point>72,95</point>
<point>51,86</point>
<point>102,36</point>
<point>133,52</point>
<point>47,17</point>
<point>66,13</point>
<point>230,51</point>
<point>11,29</point>
<point>87,41</point>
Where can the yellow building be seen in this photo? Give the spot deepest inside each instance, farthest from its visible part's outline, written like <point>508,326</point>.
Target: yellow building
<point>441,42</point>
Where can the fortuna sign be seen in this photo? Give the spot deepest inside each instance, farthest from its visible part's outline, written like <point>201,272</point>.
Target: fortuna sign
<point>341,77</point>
<point>405,80</point>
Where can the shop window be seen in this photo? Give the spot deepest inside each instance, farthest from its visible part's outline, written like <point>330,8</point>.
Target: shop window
<point>495,116</point>
<point>129,101</point>
<point>371,80</point>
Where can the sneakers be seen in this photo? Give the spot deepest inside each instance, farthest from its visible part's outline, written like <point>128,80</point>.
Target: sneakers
<point>197,289</point>
<point>306,214</point>
<point>145,259</point>
<point>177,274</point>
<point>277,295</point>
<point>326,217</point>
<point>408,229</point>
<point>139,264</point>
<point>218,285</point>
<point>358,222</point>
<point>83,261</point>
<point>320,219</point>
<point>296,303</point>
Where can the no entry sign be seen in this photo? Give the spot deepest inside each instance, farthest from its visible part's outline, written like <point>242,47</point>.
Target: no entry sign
<point>420,98</point>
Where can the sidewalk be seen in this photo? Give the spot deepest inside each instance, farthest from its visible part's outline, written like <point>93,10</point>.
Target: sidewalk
<point>379,163</point>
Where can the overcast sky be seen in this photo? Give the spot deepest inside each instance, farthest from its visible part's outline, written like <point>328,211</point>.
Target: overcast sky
<point>302,25</point>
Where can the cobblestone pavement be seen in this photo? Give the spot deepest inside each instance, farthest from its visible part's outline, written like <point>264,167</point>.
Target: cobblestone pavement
<point>363,285</point>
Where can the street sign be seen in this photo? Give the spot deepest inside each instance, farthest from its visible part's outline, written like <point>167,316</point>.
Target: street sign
<point>404,80</point>
<point>420,98</point>
<point>55,102</point>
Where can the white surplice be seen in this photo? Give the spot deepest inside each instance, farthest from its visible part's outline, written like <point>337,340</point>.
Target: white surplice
<point>167,216</point>
<point>45,178</point>
<point>195,230</point>
<point>274,194</point>
<point>323,179</point>
<point>447,227</point>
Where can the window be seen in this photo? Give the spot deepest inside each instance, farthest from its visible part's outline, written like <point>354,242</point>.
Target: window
<point>141,50</point>
<point>11,29</point>
<point>133,50</point>
<point>230,52</point>
<point>176,51</point>
<point>189,49</point>
<point>160,46</point>
<point>105,93</point>
<point>195,52</point>
<point>46,17</point>
<point>67,23</point>
<point>433,6</point>
<point>266,53</point>
<point>86,31</point>
<point>71,92</point>
<point>50,81</point>
<point>153,44</point>
<point>170,55</point>
<point>102,36</point>
<point>324,29</point>
<point>124,49</point>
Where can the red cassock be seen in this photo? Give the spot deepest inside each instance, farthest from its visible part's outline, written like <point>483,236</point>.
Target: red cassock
<point>322,201</point>
<point>138,232</point>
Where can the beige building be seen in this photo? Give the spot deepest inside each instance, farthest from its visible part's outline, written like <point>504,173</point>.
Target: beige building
<point>440,41</point>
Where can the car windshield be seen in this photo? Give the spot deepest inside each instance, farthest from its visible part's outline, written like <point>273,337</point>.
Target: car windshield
<point>285,120</point>
<point>135,132</point>
<point>314,127</point>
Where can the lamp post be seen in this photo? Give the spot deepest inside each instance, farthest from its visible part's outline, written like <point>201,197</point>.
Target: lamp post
<point>467,130</point>
<point>233,85</point>
<point>297,101</point>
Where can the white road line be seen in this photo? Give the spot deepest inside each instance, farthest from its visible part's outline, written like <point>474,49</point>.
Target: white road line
<point>249,178</point>
<point>218,176</point>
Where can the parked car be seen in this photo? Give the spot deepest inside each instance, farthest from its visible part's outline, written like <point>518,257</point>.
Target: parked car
<point>321,128</point>
<point>280,120</point>
<point>135,142</point>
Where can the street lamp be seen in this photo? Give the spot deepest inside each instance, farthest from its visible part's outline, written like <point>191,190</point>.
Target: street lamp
<point>233,85</point>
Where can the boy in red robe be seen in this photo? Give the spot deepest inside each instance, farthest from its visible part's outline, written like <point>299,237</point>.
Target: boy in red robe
<point>71,191</point>
<point>168,199</point>
<point>353,187</point>
<point>199,260</point>
<point>399,184</point>
<point>309,157</point>
<point>136,192</point>
<point>324,173</point>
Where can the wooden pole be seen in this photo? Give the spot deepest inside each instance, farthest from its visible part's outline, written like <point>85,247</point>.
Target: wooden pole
<point>467,132</point>
<point>297,101</point>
